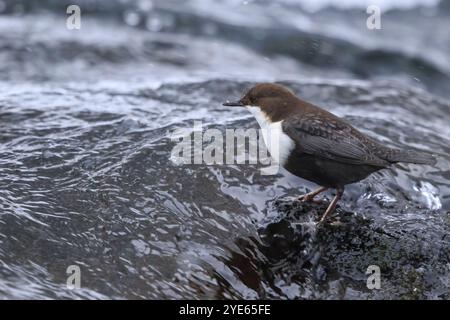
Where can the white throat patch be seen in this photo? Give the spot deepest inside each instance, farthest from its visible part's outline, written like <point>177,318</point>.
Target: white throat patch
<point>277,142</point>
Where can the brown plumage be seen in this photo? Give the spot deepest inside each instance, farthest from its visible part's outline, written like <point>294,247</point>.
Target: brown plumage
<point>328,150</point>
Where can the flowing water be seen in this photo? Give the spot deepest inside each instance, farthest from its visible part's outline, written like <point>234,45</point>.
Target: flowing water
<point>86,179</point>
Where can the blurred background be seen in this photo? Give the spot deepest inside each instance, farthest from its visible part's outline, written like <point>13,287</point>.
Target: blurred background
<point>199,39</point>
<point>85,123</point>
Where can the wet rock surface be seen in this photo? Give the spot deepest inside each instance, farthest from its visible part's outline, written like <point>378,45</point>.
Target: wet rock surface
<point>411,267</point>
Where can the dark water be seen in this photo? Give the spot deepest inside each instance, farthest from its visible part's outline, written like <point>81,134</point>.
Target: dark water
<point>86,178</point>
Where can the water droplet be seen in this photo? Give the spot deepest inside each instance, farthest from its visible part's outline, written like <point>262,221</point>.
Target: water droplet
<point>153,24</point>
<point>131,18</point>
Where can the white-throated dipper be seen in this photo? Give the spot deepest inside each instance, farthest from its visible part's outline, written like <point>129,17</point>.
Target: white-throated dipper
<point>318,146</point>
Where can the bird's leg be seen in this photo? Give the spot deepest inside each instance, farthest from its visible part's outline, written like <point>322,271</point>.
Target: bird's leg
<point>332,206</point>
<point>310,195</point>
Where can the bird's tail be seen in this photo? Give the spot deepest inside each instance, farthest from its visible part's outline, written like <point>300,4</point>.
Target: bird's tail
<point>411,156</point>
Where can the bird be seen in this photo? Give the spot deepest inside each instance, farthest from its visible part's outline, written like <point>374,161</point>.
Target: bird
<point>316,145</point>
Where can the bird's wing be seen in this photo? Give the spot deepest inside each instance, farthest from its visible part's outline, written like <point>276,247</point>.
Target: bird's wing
<point>331,139</point>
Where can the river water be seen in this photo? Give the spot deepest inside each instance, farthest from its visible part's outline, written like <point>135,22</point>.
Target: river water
<point>87,118</point>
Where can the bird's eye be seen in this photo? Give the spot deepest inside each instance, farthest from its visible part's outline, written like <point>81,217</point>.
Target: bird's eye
<point>252,99</point>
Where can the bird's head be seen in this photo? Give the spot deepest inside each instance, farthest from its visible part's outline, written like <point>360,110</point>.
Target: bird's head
<point>274,100</point>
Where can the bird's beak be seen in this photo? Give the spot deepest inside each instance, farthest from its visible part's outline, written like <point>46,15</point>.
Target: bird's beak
<point>233,104</point>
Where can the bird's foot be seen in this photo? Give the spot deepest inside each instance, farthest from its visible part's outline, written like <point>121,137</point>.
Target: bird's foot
<point>321,221</point>
<point>331,207</point>
<point>308,198</point>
